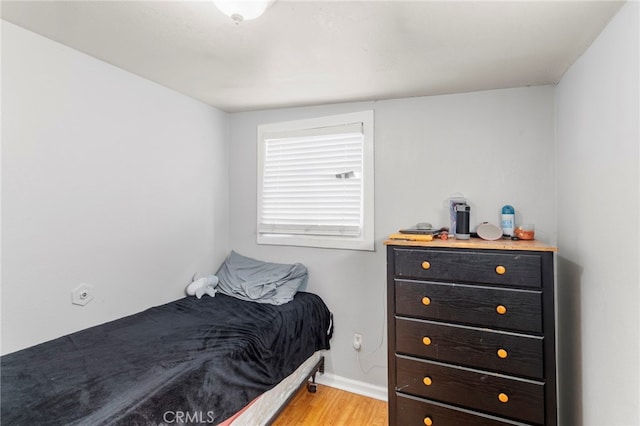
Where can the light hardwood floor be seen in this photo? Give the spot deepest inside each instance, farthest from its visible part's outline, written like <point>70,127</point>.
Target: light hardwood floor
<point>331,406</point>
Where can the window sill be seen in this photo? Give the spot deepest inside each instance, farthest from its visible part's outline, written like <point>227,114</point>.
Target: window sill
<point>344,243</point>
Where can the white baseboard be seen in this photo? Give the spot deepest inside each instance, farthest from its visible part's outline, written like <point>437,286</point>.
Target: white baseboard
<point>354,386</point>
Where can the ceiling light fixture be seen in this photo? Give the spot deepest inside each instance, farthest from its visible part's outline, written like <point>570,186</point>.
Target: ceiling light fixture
<point>243,10</point>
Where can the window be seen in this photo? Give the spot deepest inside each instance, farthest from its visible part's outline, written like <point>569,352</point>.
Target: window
<point>315,182</point>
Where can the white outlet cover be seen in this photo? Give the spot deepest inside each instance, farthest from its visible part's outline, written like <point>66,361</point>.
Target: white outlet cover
<point>82,294</point>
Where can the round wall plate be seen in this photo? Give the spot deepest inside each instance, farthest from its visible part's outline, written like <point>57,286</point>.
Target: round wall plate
<point>490,232</point>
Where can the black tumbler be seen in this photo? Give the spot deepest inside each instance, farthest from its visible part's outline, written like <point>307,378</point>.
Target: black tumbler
<point>462,221</point>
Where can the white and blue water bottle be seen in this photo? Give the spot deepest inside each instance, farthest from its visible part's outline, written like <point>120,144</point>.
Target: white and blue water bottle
<point>508,220</point>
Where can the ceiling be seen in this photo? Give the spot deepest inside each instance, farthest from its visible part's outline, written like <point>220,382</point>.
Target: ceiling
<point>316,52</point>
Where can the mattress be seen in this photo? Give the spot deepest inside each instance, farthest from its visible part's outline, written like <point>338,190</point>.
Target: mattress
<point>196,359</point>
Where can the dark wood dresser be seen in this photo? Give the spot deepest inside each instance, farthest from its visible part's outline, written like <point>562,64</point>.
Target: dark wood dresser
<point>471,333</point>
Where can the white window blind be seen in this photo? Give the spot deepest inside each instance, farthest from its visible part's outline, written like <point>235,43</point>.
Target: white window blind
<point>312,182</point>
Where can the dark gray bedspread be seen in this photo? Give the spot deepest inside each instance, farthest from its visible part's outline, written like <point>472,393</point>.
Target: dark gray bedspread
<point>203,358</point>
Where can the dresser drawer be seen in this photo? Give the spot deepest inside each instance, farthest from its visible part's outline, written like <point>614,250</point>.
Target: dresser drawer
<point>415,412</point>
<point>494,350</point>
<point>497,394</point>
<point>471,304</point>
<point>510,269</point>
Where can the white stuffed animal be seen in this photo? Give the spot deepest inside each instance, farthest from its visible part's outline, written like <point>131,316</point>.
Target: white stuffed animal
<point>202,285</point>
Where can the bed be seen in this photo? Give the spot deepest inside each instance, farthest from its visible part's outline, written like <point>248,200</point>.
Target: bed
<point>188,361</point>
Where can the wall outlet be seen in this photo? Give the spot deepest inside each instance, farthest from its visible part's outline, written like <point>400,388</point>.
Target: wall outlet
<point>82,294</point>
<point>357,341</point>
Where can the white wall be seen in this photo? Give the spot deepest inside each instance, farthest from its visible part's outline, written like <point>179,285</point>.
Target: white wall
<point>496,147</point>
<point>107,179</point>
<point>598,236</point>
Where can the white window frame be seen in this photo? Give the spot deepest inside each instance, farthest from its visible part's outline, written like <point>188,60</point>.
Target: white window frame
<point>365,240</point>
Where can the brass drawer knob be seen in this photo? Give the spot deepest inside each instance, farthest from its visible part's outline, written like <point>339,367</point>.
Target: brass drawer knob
<point>502,353</point>
<point>500,270</point>
<point>426,341</point>
<point>426,265</point>
<point>503,397</point>
<point>426,301</point>
<point>427,381</point>
<point>501,309</point>
<point>428,421</point>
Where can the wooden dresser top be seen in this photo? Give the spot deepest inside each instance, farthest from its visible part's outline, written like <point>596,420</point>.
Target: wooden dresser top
<point>476,243</point>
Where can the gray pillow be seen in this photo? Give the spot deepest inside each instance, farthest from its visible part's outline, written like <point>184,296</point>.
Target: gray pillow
<point>258,281</point>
